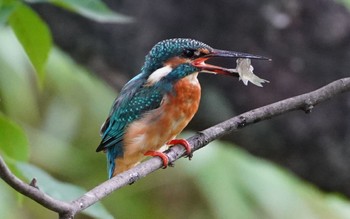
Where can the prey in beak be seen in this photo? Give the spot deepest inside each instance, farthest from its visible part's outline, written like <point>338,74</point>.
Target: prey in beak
<point>244,69</point>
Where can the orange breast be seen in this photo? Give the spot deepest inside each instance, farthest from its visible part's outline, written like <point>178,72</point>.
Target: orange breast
<point>162,124</point>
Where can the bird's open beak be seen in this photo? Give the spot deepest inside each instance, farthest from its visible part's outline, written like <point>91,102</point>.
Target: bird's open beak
<point>208,68</point>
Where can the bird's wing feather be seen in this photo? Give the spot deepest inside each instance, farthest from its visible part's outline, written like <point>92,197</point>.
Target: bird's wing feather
<point>134,100</point>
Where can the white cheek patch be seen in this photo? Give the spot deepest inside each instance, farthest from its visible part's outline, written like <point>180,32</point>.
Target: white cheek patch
<point>158,74</point>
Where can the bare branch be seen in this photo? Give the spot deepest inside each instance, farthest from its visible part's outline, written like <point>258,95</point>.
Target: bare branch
<point>303,102</point>
<point>31,191</point>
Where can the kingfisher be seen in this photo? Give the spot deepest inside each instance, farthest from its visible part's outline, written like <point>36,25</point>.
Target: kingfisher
<point>159,102</point>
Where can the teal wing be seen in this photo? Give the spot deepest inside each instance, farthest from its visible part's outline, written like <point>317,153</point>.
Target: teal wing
<point>134,100</point>
<point>128,107</point>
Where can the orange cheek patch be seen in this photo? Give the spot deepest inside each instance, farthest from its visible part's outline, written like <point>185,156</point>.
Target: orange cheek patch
<point>174,62</point>
<point>204,51</point>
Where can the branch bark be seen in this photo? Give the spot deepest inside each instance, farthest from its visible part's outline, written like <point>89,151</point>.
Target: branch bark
<point>304,102</point>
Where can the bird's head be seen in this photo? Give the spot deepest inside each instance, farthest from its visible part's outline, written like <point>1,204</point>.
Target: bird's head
<point>188,54</point>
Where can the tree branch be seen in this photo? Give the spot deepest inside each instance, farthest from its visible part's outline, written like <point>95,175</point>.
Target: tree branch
<point>303,102</point>
<point>31,191</point>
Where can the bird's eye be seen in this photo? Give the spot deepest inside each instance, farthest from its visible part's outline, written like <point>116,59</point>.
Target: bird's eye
<point>188,53</point>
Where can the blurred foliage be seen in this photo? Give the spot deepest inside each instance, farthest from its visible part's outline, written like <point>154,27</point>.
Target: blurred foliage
<point>40,113</point>
<point>33,33</point>
<point>345,2</point>
<point>12,134</point>
<point>238,185</point>
<point>92,9</point>
<point>60,125</point>
<point>23,21</point>
<point>59,190</point>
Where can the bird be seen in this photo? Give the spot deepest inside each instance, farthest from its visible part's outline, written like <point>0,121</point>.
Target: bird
<point>159,102</point>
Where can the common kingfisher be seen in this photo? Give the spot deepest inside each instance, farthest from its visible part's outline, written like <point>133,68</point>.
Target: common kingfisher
<point>159,102</point>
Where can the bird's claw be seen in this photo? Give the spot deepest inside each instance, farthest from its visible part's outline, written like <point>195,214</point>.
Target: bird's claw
<point>162,156</point>
<point>185,144</point>
<point>189,155</point>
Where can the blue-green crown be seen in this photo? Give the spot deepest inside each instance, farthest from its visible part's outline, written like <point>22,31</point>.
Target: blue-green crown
<point>166,49</point>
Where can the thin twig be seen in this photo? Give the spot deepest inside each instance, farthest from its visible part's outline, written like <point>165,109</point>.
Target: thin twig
<point>303,102</point>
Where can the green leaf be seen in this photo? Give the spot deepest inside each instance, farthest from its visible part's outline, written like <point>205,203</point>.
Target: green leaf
<point>92,9</point>
<point>6,9</point>
<point>34,35</point>
<point>60,190</point>
<point>13,141</point>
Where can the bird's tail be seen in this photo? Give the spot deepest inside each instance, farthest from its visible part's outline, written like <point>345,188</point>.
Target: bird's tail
<point>112,153</point>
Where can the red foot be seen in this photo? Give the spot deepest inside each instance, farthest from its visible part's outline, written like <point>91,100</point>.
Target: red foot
<point>162,156</point>
<point>184,143</point>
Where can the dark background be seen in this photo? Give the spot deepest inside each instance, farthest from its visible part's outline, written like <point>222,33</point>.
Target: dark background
<point>308,41</point>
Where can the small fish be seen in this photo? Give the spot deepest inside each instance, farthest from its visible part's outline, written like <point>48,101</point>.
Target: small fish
<point>245,72</point>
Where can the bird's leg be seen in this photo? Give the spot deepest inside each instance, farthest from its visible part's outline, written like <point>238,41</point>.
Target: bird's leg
<point>184,143</point>
<point>162,156</point>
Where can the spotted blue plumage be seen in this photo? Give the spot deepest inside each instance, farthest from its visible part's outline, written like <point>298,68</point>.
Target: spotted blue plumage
<point>135,98</point>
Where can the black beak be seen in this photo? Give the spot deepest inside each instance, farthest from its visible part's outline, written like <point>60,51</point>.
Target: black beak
<point>208,68</point>
<point>232,54</point>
